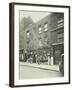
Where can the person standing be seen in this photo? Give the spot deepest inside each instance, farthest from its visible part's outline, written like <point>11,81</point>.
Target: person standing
<point>34,58</point>
<point>49,59</point>
<point>25,58</point>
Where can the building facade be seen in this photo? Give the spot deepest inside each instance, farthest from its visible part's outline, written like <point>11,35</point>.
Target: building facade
<point>57,39</point>
<point>46,37</point>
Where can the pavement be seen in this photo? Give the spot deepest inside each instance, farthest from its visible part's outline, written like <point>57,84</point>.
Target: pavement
<point>41,66</point>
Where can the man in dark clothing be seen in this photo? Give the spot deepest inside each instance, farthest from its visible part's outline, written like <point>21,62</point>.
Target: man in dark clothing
<point>25,58</point>
<point>34,58</point>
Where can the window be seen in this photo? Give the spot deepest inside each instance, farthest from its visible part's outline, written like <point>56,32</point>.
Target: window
<point>40,29</point>
<point>60,22</point>
<point>45,27</point>
<point>60,36</point>
<point>28,34</point>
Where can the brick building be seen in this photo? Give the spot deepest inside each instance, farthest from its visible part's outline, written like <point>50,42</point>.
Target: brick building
<point>57,38</point>
<point>46,37</point>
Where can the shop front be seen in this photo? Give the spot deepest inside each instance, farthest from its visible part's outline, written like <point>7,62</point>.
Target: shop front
<point>21,55</point>
<point>58,50</point>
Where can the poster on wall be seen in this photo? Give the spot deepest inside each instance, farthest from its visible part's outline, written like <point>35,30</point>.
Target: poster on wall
<point>39,44</point>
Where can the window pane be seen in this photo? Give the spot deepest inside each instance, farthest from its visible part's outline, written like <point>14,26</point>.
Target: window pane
<point>28,34</point>
<point>40,29</point>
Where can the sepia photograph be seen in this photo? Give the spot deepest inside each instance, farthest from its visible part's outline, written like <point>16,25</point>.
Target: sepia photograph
<point>40,44</point>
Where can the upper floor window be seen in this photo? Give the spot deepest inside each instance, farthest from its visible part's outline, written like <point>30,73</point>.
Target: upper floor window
<point>40,29</point>
<point>45,27</point>
<point>60,36</point>
<point>28,34</point>
<point>60,22</point>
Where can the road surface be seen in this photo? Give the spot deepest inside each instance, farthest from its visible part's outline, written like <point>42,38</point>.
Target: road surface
<point>27,72</point>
